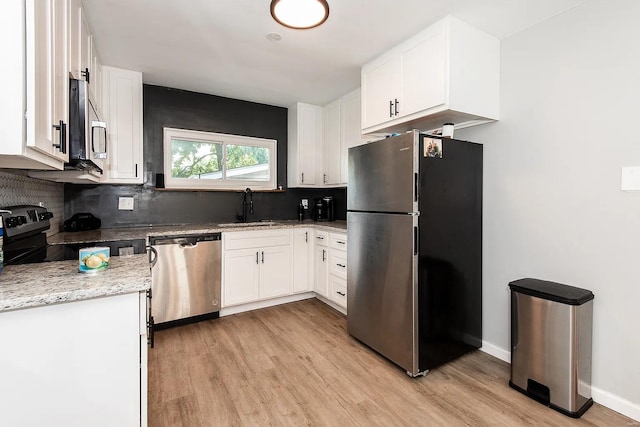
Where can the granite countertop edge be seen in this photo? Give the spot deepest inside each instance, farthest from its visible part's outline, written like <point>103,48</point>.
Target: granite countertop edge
<point>28,286</point>
<point>36,285</point>
<point>134,233</point>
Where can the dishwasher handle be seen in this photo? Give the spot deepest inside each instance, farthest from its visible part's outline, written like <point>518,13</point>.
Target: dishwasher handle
<point>153,256</point>
<point>184,240</point>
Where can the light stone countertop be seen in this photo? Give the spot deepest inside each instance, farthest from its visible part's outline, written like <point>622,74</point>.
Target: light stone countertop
<point>132,233</point>
<point>34,285</point>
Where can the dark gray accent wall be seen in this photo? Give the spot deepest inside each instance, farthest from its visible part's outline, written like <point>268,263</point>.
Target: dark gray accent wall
<point>167,107</point>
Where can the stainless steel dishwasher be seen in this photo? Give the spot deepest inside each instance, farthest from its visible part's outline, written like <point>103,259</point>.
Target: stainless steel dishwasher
<point>185,278</point>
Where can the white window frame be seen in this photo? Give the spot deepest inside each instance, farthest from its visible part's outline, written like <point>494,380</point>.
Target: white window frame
<point>224,139</point>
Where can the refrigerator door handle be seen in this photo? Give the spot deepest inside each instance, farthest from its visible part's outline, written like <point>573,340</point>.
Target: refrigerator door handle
<point>415,187</point>
<point>415,240</point>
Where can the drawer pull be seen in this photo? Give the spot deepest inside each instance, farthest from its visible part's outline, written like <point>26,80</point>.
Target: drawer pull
<point>320,237</point>
<point>341,265</point>
<point>340,242</point>
<point>340,293</point>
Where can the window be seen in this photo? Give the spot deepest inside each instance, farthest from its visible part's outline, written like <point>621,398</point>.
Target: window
<point>216,161</point>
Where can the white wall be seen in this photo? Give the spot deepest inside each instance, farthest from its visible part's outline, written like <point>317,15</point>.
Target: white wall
<point>553,208</point>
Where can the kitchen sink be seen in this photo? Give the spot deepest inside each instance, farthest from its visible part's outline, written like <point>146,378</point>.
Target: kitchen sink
<point>248,224</point>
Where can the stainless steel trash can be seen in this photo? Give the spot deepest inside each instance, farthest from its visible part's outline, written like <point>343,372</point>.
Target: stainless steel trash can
<point>551,326</point>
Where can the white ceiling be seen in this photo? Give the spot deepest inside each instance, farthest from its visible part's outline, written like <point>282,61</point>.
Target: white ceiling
<point>219,46</point>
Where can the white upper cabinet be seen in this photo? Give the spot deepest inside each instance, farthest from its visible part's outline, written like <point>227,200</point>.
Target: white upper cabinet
<point>75,39</point>
<point>331,143</point>
<point>381,90</point>
<point>122,110</point>
<point>351,133</point>
<point>84,62</point>
<point>450,72</point>
<point>319,138</point>
<point>341,130</point>
<point>96,86</point>
<point>34,85</point>
<point>305,141</point>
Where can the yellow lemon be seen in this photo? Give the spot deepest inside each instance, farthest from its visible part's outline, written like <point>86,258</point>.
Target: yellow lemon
<point>93,261</point>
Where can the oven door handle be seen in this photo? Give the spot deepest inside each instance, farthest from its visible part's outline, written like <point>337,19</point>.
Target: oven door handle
<point>153,256</point>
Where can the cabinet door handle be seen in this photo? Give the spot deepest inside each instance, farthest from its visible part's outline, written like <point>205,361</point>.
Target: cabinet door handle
<point>86,75</point>
<point>341,265</point>
<point>136,170</point>
<point>62,137</point>
<point>257,259</point>
<point>263,257</point>
<point>324,178</point>
<point>396,106</point>
<point>150,322</point>
<point>340,293</point>
<point>323,255</point>
<point>302,177</point>
<point>306,236</point>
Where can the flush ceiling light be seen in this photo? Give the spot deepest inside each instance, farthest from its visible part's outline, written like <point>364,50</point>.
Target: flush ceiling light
<point>300,14</point>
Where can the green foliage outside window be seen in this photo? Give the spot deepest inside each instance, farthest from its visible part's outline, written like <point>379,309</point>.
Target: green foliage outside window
<point>191,159</point>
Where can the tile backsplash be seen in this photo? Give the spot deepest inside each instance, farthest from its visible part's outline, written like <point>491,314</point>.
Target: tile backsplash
<point>19,189</point>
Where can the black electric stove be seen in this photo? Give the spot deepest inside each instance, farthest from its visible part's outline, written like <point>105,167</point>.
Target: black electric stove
<point>25,241</point>
<point>24,237</point>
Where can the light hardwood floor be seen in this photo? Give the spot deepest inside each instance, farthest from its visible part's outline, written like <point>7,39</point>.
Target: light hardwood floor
<point>295,365</point>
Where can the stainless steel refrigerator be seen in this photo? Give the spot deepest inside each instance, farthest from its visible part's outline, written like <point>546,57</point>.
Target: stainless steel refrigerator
<point>414,214</point>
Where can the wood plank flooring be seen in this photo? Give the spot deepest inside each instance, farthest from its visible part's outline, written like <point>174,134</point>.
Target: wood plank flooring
<point>295,365</point>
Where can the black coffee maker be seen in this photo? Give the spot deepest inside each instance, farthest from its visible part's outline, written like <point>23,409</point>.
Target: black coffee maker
<point>323,209</point>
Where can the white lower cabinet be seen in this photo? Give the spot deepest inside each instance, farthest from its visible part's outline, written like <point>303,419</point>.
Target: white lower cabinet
<point>267,267</point>
<point>275,272</point>
<point>321,263</point>
<point>75,364</point>
<point>338,290</point>
<point>302,260</point>
<point>337,279</point>
<point>321,271</point>
<point>241,276</point>
<point>257,265</point>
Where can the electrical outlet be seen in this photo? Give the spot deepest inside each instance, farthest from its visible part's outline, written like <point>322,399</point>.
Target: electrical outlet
<point>305,203</point>
<point>125,203</point>
<point>630,180</point>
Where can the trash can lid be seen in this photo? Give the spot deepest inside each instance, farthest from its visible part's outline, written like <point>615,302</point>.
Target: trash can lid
<point>553,291</point>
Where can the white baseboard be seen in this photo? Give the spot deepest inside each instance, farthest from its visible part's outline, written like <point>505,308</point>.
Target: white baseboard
<point>602,397</point>
<point>227,311</point>
<point>616,403</point>
<point>496,351</point>
<point>332,304</point>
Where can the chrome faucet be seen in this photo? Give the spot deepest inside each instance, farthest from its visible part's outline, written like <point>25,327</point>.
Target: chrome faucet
<point>243,216</point>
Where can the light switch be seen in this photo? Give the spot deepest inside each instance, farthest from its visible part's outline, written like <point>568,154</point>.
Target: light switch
<point>125,203</point>
<point>630,178</point>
